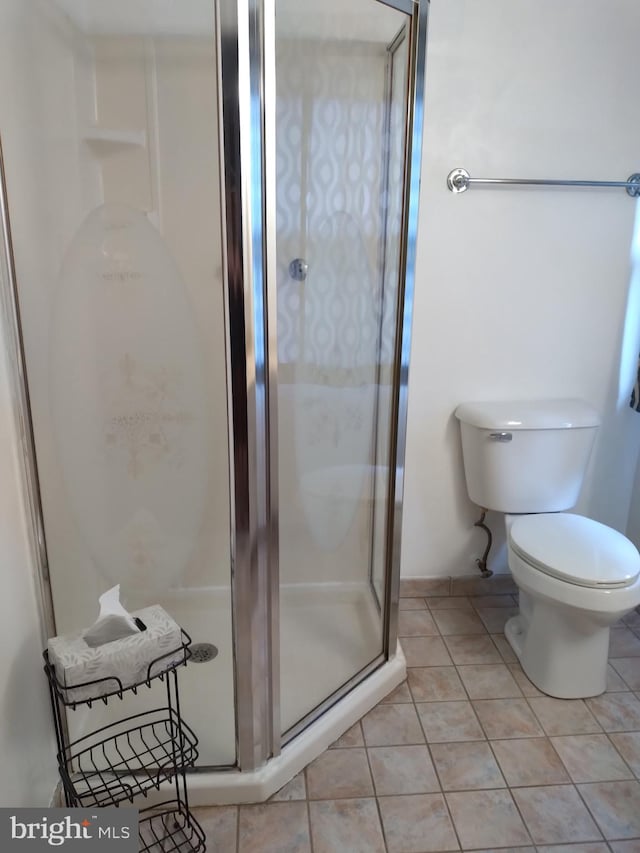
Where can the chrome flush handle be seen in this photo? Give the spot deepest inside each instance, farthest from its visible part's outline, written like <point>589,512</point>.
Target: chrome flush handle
<point>500,436</point>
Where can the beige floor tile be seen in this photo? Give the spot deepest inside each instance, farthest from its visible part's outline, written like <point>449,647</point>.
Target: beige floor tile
<point>564,716</point>
<point>623,643</point>
<point>615,683</point>
<point>495,618</point>
<point>479,601</point>
<point>629,669</point>
<point>475,585</point>
<point>506,652</point>
<point>392,725</point>
<point>508,850</point>
<point>616,712</point>
<point>273,826</point>
<point>417,824</point>
<point>220,825</point>
<point>400,694</point>
<point>339,773</point>
<point>555,814</point>
<point>466,766</point>
<point>425,651</point>
<point>448,602</point>
<point>528,687</point>
<point>487,819</point>
<point>402,770</point>
<point>352,737</point>
<point>345,825</point>
<point>632,620</point>
<point>488,681</point>
<point>458,622</point>
<point>585,847</point>
<point>530,761</point>
<point>474,649</point>
<point>625,846</point>
<point>591,758</point>
<point>435,684</point>
<point>296,789</point>
<point>413,604</point>
<point>507,718</point>
<point>628,745</point>
<point>423,587</point>
<point>615,806</point>
<point>416,623</point>
<point>449,721</point>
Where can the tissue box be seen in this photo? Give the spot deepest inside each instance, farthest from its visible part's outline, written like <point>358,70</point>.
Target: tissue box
<point>127,659</point>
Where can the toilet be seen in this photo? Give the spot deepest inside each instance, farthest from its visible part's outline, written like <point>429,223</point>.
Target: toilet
<point>576,577</point>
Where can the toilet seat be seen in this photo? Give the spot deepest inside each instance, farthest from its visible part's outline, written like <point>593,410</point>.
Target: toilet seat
<point>575,549</point>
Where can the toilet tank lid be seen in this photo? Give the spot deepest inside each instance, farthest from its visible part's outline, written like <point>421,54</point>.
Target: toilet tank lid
<point>528,414</point>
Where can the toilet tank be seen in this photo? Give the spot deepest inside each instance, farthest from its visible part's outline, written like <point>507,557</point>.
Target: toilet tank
<point>526,456</point>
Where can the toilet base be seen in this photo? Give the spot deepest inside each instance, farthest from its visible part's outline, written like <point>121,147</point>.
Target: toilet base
<point>564,654</point>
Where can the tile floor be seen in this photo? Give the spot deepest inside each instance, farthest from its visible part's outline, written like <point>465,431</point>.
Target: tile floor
<point>465,755</point>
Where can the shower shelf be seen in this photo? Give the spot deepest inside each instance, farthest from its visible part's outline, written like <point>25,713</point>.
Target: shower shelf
<point>119,763</point>
<point>103,140</point>
<point>127,759</point>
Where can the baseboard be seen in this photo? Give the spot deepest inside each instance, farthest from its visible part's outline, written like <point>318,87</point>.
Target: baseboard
<point>457,585</point>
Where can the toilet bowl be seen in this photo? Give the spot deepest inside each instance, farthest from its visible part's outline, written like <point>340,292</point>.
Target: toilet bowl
<point>576,578</point>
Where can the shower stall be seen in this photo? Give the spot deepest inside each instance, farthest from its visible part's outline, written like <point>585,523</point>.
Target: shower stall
<point>208,221</point>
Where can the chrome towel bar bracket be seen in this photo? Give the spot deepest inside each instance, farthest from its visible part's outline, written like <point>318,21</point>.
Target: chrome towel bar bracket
<point>459,180</point>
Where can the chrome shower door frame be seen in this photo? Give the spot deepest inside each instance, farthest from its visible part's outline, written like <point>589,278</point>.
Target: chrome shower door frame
<point>247,166</point>
<point>246,33</point>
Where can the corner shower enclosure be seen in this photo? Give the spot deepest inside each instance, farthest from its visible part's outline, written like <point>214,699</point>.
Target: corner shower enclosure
<point>209,216</point>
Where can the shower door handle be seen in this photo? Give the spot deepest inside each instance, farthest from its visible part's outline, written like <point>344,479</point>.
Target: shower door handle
<point>298,269</point>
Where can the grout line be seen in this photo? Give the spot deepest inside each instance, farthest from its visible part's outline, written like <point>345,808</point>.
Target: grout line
<point>237,829</point>
<point>377,800</point>
<point>308,805</point>
<point>593,817</point>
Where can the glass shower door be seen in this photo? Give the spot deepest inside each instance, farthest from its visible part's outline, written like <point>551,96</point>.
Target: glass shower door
<point>340,141</point>
<point>110,135</point>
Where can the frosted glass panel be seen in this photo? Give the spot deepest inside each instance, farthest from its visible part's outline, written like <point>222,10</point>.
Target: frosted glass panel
<point>110,139</point>
<point>131,414</point>
<point>336,194</point>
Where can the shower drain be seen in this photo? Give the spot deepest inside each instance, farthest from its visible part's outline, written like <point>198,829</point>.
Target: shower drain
<point>202,652</point>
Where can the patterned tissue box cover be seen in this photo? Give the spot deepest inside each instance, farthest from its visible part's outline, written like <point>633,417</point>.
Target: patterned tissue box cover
<point>128,659</point>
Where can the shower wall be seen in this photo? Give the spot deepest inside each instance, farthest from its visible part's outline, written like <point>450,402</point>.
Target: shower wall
<point>164,89</point>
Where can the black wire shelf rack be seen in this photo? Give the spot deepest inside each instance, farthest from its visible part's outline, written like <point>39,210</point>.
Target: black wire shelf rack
<point>112,686</point>
<point>170,828</point>
<point>127,759</point>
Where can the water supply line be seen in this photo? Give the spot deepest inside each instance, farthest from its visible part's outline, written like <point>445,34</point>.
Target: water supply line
<point>482,561</point>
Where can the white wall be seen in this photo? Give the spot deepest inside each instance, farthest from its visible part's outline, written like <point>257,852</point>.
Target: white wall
<point>521,293</point>
<point>28,772</point>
